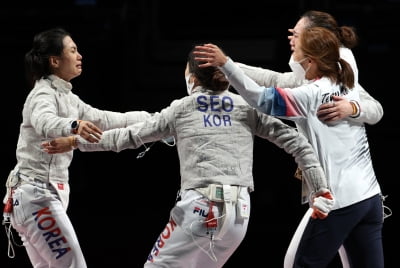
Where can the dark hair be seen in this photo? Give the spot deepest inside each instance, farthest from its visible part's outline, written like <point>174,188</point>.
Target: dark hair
<point>346,34</point>
<point>210,78</point>
<point>45,44</point>
<point>322,45</point>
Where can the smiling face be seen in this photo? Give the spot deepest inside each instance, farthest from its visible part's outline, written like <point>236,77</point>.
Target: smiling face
<point>69,64</point>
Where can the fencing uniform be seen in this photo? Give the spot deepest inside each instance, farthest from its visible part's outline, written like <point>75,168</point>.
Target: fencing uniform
<point>343,150</point>
<point>215,138</point>
<point>38,185</point>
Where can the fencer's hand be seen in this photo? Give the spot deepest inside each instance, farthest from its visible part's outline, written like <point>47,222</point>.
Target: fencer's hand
<point>89,131</point>
<point>298,174</point>
<point>322,205</point>
<point>209,55</point>
<point>338,109</point>
<point>59,145</point>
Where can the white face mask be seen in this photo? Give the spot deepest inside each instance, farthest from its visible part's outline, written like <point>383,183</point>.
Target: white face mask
<point>188,84</point>
<point>297,69</point>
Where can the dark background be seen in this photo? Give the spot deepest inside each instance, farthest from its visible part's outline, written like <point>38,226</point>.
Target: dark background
<point>134,55</point>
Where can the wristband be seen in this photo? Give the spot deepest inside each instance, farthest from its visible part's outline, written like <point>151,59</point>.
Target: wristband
<point>72,142</point>
<point>356,109</point>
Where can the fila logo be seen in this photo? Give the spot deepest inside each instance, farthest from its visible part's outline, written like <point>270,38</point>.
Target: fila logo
<point>200,211</point>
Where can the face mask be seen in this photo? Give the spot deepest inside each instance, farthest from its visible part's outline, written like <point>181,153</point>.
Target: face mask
<point>188,84</point>
<point>297,69</point>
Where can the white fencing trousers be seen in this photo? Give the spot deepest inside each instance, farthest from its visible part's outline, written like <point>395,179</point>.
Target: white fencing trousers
<point>45,228</point>
<point>294,243</point>
<point>186,241</point>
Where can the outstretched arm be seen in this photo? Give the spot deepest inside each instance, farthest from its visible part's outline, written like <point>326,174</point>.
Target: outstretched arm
<point>88,131</point>
<point>296,144</point>
<point>269,78</point>
<point>60,145</point>
<point>85,129</point>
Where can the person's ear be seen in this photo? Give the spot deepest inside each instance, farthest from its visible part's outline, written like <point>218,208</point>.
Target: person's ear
<point>195,81</point>
<point>310,62</point>
<point>54,61</point>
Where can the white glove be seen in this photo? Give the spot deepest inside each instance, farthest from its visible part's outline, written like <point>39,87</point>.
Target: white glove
<point>322,204</point>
